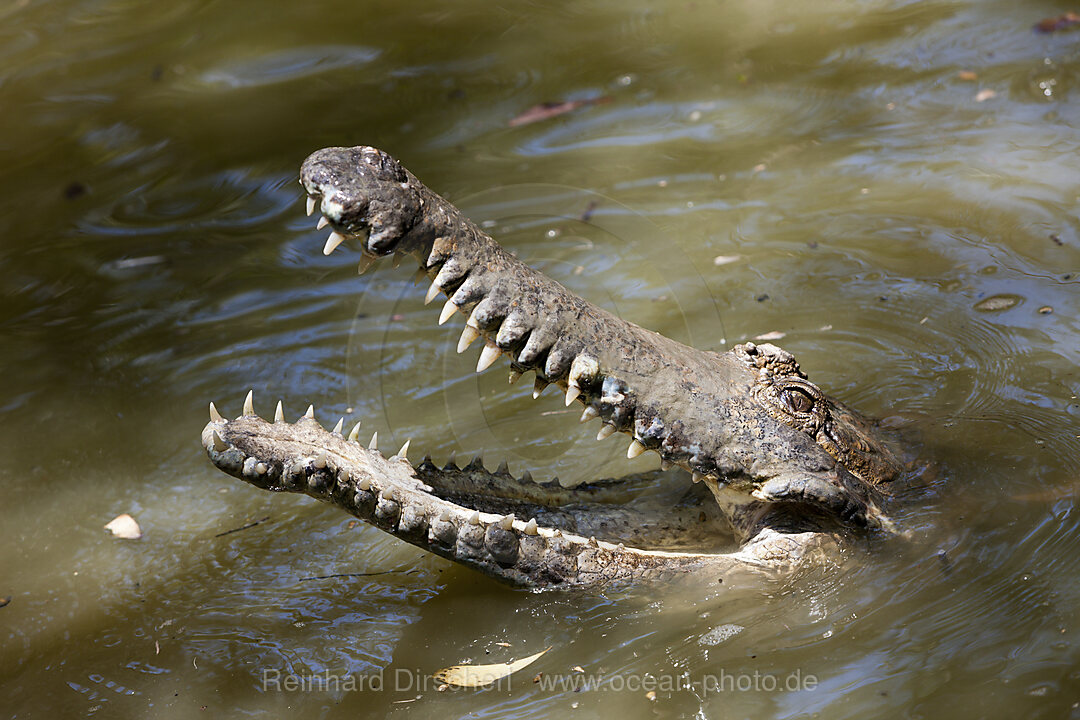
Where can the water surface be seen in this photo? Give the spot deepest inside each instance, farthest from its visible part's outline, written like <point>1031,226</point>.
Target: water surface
<point>889,188</point>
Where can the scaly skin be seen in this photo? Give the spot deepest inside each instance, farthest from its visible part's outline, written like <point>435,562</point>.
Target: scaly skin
<point>787,465</point>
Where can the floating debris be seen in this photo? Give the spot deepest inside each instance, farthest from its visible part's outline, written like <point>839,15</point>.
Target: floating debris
<point>548,110</point>
<point>1061,22</point>
<point>124,526</point>
<point>774,335</point>
<point>984,95</point>
<point>482,675</point>
<point>719,634</point>
<point>997,303</point>
<point>725,259</point>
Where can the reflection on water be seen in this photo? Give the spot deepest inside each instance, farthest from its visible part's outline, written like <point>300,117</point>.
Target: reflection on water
<point>887,187</point>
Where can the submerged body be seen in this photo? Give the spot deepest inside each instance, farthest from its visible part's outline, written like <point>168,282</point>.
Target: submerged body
<point>788,468</point>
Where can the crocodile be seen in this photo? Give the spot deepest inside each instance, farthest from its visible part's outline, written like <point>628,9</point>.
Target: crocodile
<point>779,471</point>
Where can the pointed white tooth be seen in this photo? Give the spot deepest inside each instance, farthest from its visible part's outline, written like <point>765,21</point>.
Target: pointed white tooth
<point>530,527</point>
<point>605,431</point>
<point>635,449</point>
<point>366,261</point>
<point>363,483</point>
<point>215,416</point>
<point>403,453</point>
<point>219,444</point>
<point>389,494</point>
<point>444,515</point>
<point>475,517</point>
<point>332,242</point>
<point>504,468</point>
<point>310,206</point>
<point>323,222</point>
<point>514,375</point>
<point>249,403</point>
<point>572,392</point>
<point>589,413</point>
<point>556,533</point>
<point>320,460</point>
<point>488,355</point>
<point>697,477</point>
<point>506,521</point>
<point>374,444</point>
<point>447,311</point>
<point>467,336</point>
<point>340,424</point>
<point>526,477</point>
<point>538,387</point>
<point>279,413</point>
<point>354,434</point>
<point>310,414</point>
<point>665,464</point>
<point>432,293</point>
<point>260,468</point>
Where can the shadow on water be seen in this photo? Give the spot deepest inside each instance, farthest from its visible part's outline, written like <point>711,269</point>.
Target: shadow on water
<point>886,189</point>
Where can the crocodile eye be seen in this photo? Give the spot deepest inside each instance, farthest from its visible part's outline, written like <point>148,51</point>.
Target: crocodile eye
<point>797,401</point>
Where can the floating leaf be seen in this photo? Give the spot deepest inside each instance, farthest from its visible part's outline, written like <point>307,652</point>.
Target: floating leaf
<point>124,526</point>
<point>481,675</point>
<point>548,110</point>
<point>1061,22</point>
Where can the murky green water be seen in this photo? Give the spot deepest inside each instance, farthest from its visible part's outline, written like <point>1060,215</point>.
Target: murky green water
<point>878,205</point>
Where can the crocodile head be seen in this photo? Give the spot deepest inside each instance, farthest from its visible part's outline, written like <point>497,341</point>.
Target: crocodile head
<point>781,458</point>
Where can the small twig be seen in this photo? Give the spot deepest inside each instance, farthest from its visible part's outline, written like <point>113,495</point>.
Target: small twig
<point>243,527</point>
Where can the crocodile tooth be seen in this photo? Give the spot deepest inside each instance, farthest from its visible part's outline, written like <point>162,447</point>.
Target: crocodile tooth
<point>332,242</point>
<point>363,483</point>
<point>249,403</point>
<point>488,355</point>
<point>475,517</point>
<point>635,449</point>
<point>320,460</point>
<point>584,366</point>
<point>514,375</point>
<point>403,453</point>
<point>310,414</point>
<point>444,515</point>
<point>589,413</point>
<point>279,413</point>
<point>374,444</point>
<point>420,276</point>
<point>538,387</point>
<point>665,464</point>
<point>448,311</point>
<point>389,494</point>
<point>503,469</point>
<point>506,522</point>
<point>432,293</point>
<point>592,541</point>
<point>467,336</point>
<point>310,206</point>
<point>354,434</point>
<point>572,392</point>
<point>366,261</point>
<point>340,424</point>
<point>696,477</point>
<point>530,527</point>
<point>556,533</point>
<point>215,416</point>
<point>605,431</point>
<point>446,275</point>
<point>260,468</point>
<point>526,477</point>
<point>323,222</point>
<point>219,444</point>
